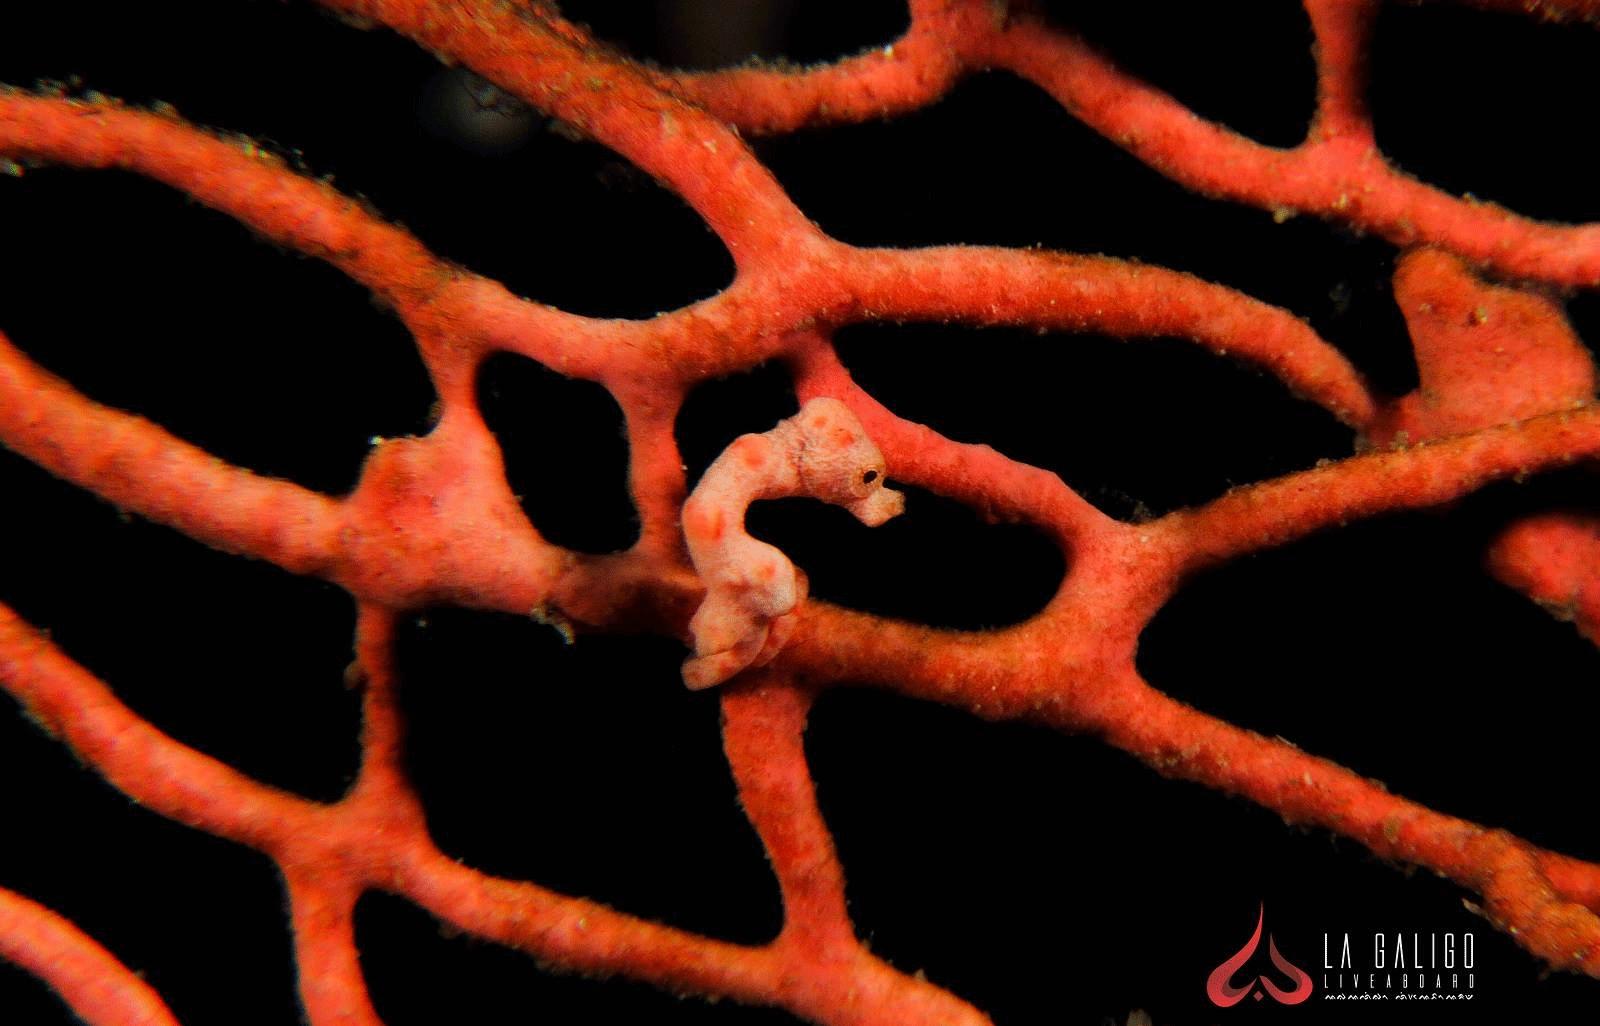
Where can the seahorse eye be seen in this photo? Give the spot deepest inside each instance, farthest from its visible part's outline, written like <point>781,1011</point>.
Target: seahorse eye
<point>869,477</point>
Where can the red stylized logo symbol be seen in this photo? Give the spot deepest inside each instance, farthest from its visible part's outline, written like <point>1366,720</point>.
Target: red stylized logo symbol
<point>1222,992</point>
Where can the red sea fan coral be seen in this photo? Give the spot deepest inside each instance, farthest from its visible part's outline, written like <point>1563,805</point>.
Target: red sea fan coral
<point>1229,461</point>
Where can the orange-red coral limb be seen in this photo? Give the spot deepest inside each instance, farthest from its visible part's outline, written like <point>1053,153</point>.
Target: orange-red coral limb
<point>1554,559</point>
<point>1046,673</point>
<point>550,64</point>
<point>1340,176</point>
<point>234,176</point>
<point>99,989</point>
<point>147,765</point>
<point>1554,921</point>
<point>1067,293</point>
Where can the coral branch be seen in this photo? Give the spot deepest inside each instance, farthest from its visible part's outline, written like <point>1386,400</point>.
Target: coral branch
<point>903,76</point>
<point>1275,512</point>
<point>1486,355</point>
<point>235,176</point>
<point>551,65</point>
<point>138,466</point>
<point>331,986</point>
<point>1338,175</point>
<point>1552,558</point>
<point>100,990</point>
<point>150,767</point>
<point>763,728</point>
<point>1181,742</point>
<point>1096,294</point>
<point>1343,30</point>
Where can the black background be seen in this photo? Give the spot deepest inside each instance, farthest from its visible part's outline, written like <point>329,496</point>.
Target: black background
<point>1045,878</point>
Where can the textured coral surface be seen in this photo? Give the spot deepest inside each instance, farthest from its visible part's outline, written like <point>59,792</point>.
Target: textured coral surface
<point>1239,480</point>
